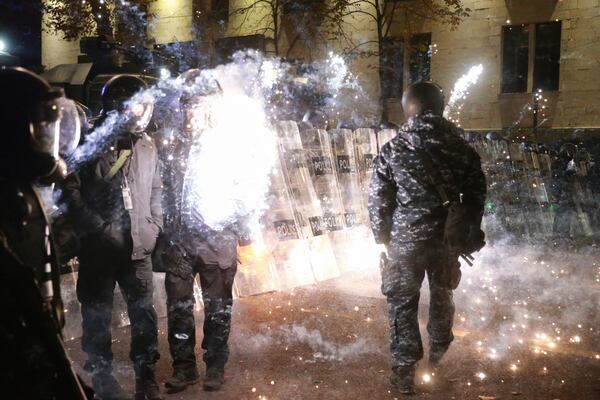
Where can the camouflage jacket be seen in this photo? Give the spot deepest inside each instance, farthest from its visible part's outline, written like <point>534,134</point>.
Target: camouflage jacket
<point>404,205</point>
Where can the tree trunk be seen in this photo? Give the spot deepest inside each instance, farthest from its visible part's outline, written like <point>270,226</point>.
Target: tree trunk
<point>275,10</point>
<point>102,18</point>
<point>381,52</point>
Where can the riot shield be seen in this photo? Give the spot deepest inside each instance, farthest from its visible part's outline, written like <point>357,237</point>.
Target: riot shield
<point>384,136</point>
<point>322,168</point>
<point>360,250</point>
<point>311,222</point>
<point>120,318</point>
<point>256,270</point>
<point>365,147</point>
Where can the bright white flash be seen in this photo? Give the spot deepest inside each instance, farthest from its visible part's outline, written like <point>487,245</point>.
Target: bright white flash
<point>229,167</point>
<point>462,86</point>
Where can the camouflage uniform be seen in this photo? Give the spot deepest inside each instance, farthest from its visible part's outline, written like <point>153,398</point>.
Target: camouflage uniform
<point>407,215</point>
<point>195,249</point>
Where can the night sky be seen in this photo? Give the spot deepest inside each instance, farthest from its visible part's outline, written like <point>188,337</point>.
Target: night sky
<point>20,30</point>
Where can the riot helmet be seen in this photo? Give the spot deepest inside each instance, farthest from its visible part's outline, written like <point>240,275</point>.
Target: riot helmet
<point>568,151</point>
<point>472,136</point>
<point>493,136</point>
<point>195,101</point>
<point>422,98</point>
<point>41,126</point>
<point>125,95</point>
<point>387,125</point>
<point>316,118</point>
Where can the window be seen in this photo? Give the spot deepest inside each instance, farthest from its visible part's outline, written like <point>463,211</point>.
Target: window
<point>392,68</point>
<point>515,59</point>
<point>547,56</point>
<point>531,47</point>
<point>220,10</point>
<point>420,58</point>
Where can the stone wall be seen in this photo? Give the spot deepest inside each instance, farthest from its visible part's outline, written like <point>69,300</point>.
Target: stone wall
<point>173,22</point>
<point>478,40</point>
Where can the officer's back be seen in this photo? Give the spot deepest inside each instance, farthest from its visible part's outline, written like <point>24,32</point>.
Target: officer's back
<point>405,205</point>
<point>419,175</point>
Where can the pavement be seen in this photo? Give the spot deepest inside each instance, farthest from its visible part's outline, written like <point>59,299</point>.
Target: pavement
<point>528,330</point>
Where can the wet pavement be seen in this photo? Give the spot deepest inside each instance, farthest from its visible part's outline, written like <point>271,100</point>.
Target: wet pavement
<point>330,341</point>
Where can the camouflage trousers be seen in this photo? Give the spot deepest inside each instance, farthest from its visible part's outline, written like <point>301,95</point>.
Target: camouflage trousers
<point>401,284</point>
<point>216,284</point>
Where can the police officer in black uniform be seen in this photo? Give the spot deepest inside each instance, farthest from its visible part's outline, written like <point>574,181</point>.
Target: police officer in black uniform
<point>408,216</point>
<point>38,124</point>
<point>114,198</point>
<point>195,249</point>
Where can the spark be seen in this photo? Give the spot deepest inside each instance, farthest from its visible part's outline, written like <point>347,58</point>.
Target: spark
<point>461,87</point>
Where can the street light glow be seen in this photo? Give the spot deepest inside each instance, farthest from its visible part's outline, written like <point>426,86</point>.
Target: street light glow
<point>2,45</point>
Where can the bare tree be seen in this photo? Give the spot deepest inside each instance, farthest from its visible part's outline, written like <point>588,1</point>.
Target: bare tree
<point>388,18</point>
<point>309,22</point>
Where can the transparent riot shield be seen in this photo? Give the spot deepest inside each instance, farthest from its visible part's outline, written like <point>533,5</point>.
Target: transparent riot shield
<point>540,193</point>
<point>583,197</point>
<point>384,136</point>
<point>322,168</point>
<point>503,214</point>
<point>313,220</point>
<point>520,205</point>
<point>71,306</point>
<point>365,146</point>
<point>360,250</point>
<point>120,318</point>
<point>278,258</point>
<point>256,269</point>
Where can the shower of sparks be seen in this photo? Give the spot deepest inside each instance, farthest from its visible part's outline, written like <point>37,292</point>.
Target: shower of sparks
<point>460,92</point>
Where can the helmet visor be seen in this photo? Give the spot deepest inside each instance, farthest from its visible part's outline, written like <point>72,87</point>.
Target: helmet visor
<point>197,116</point>
<point>55,127</point>
<point>138,114</point>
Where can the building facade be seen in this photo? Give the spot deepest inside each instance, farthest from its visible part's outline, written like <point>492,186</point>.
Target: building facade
<point>523,46</point>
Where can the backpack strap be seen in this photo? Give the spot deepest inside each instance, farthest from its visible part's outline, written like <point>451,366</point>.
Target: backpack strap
<point>118,165</point>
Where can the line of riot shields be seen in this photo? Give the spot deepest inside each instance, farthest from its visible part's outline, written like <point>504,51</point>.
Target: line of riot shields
<point>536,194</point>
<point>316,225</point>
<point>315,228</point>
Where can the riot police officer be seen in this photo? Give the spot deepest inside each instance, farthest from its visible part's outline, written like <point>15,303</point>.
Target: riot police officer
<point>195,249</point>
<point>417,175</point>
<point>115,199</point>
<point>38,126</point>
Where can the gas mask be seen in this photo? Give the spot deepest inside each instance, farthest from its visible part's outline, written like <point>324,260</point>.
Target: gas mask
<point>55,129</point>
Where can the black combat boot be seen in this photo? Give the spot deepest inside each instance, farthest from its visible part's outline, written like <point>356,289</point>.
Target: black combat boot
<point>181,379</point>
<point>106,387</point>
<point>403,379</point>
<point>146,387</point>
<point>214,379</point>
<point>436,352</point>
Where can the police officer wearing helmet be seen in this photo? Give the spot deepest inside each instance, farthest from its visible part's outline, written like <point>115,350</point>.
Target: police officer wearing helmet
<point>195,249</point>
<point>39,125</point>
<point>562,192</point>
<point>422,172</point>
<point>115,199</point>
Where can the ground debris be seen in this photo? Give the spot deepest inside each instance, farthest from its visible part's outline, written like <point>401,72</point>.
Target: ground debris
<point>515,393</point>
<point>487,398</point>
